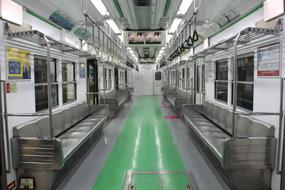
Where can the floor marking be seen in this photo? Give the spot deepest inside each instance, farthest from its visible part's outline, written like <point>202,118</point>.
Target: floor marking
<point>171,117</point>
<point>165,106</point>
<point>128,185</point>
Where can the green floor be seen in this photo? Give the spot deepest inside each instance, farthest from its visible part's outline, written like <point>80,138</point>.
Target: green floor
<point>144,144</point>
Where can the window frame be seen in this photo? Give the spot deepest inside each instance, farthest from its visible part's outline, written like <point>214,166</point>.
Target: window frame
<point>54,83</point>
<point>243,82</point>
<point>74,82</point>
<point>221,81</point>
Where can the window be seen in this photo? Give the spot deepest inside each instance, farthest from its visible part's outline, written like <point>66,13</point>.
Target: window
<point>221,82</point>
<point>172,78</point>
<point>41,84</point>
<point>245,82</point>
<point>68,82</point>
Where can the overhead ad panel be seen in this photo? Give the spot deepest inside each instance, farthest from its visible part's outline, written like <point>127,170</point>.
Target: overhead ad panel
<point>144,38</point>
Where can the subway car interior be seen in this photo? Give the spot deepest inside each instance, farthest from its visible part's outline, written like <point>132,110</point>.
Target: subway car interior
<point>142,95</point>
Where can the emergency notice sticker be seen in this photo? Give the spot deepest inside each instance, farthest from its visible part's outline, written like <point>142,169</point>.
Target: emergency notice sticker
<point>268,61</point>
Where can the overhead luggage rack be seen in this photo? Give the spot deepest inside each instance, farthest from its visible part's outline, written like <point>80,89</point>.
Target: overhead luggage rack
<point>245,36</point>
<point>38,37</point>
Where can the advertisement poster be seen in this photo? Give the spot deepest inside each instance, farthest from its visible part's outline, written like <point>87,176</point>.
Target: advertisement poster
<point>136,37</point>
<point>82,70</point>
<point>268,61</point>
<point>153,38</point>
<point>18,64</point>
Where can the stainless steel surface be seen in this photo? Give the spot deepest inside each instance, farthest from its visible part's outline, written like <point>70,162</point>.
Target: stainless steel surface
<point>49,88</point>
<point>3,174</point>
<point>27,114</point>
<point>9,169</point>
<point>235,78</point>
<point>104,33</point>
<point>249,153</point>
<point>280,132</point>
<point>176,98</point>
<point>249,157</point>
<point>39,38</point>
<point>34,153</point>
<point>258,113</point>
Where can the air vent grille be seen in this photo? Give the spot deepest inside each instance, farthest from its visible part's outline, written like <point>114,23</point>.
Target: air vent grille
<point>142,3</point>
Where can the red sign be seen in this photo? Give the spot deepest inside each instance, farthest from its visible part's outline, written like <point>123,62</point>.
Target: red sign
<point>8,88</point>
<point>268,73</point>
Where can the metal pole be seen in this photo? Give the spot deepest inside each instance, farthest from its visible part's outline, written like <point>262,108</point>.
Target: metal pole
<point>177,75</point>
<point>187,80</point>
<point>98,60</point>
<point>2,146</point>
<point>49,89</point>
<point>104,71</point>
<point>6,128</point>
<point>279,170</point>
<point>195,79</point>
<point>235,73</point>
<point>99,41</point>
<point>104,32</point>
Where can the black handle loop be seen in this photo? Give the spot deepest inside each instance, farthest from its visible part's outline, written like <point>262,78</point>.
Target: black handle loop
<point>195,37</point>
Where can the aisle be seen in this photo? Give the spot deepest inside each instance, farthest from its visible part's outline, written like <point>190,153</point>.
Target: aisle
<point>145,144</point>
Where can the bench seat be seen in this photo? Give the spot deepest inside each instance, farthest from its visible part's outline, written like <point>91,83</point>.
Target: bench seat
<point>249,157</point>
<point>73,126</point>
<point>176,99</point>
<point>115,100</point>
<point>78,134</point>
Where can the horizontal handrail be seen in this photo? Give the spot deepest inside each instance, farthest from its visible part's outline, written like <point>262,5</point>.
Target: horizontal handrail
<point>259,113</point>
<point>27,114</point>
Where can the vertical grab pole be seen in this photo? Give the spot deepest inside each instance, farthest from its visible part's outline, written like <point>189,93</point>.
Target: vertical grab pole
<point>2,144</point>
<point>187,80</point>
<point>99,44</point>
<point>6,127</point>
<point>49,88</point>
<point>193,90</point>
<point>195,80</point>
<point>280,126</point>
<point>104,77</point>
<point>235,73</point>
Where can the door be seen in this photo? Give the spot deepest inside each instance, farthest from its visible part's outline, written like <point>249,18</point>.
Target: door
<point>144,79</point>
<point>126,78</point>
<point>157,83</point>
<point>92,81</point>
<point>116,78</point>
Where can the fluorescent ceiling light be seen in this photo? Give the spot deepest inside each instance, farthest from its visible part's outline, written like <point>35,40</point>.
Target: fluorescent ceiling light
<point>114,26</point>
<point>100,7</point>
<point>174,25</point>
<point>184,6</point>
